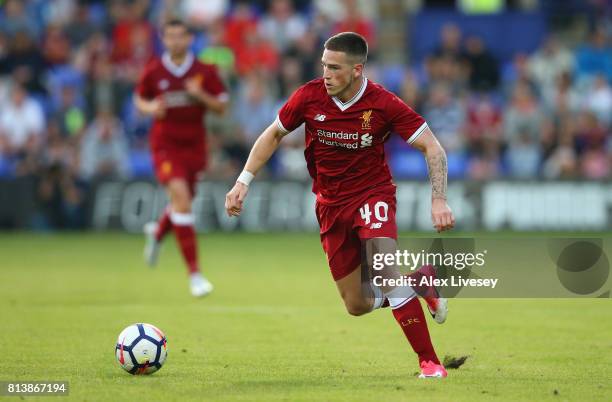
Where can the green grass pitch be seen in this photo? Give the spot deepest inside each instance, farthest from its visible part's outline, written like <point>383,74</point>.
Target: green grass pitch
<point>273,330</point>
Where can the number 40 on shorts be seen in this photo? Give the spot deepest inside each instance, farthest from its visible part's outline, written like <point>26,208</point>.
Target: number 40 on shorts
<point>381,210</point>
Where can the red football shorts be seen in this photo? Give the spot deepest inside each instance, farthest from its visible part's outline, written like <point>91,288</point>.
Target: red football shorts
<point>345,227</point>
<point>185,163</point>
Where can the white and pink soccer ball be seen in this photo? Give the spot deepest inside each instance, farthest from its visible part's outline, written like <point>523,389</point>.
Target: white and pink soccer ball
<point>141,349</point>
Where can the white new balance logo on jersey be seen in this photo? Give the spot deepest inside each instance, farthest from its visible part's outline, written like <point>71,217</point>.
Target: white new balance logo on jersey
<point>366,140</point>
<point>376,225</point>
<point>320,117</point>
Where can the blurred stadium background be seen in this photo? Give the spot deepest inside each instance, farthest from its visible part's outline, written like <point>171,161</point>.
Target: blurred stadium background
<point>518,91</point>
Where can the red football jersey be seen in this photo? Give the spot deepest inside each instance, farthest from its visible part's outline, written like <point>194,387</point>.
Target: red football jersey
<point>183,124</point>
<point>345,150</point>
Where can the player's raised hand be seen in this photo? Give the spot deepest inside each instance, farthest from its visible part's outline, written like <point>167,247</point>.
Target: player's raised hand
<point>234,199</point>
<point>441,215</point>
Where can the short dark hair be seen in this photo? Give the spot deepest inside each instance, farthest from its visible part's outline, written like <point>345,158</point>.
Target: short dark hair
<point>175,22</point>
<point>351,43</point>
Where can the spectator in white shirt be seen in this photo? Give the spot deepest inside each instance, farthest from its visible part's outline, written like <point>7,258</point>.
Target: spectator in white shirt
<point>22,124</point>
<point>283,26</point>
<point>104,150</point>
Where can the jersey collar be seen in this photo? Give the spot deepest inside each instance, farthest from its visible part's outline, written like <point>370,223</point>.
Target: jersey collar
<point>180,70</point>
<point>343,106</point>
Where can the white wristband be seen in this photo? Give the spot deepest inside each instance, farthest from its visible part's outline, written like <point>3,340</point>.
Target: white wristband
<point>245,177</point>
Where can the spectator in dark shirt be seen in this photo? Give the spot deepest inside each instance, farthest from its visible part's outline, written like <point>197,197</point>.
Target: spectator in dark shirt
<point>450,43</point>
<point>483,67</point>
<point>25,62</point>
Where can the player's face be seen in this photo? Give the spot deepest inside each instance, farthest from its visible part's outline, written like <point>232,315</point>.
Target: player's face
<point>339,74</point>
<point>177,40</point>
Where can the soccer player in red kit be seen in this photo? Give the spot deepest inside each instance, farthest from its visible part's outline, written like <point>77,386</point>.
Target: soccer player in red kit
<point>348,118</point>
<point>177,90</point>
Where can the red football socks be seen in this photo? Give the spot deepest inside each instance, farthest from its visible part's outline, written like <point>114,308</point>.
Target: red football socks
<point>186,238</point>
<point>411,319</point>
<point>164,225</point>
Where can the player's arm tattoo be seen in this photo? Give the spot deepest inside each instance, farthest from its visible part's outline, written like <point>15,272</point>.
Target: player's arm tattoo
<point>438,171</point>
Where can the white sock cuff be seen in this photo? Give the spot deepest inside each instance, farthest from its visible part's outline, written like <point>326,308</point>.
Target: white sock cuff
<point>379,297</point>
<point>398,302</point>
<point>182,219</point>
<point>400,296</point>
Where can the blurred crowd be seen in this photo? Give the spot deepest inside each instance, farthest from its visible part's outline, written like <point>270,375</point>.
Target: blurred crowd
<point>68,69</point>
<point>545,115</point>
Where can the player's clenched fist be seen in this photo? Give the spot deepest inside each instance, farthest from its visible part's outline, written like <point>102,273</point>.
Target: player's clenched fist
<point>193,86</point>
<point>441,215</point>
<point>158,107</point>
<point>235,198</point>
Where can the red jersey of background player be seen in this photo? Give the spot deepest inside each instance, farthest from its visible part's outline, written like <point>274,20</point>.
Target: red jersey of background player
<point>345,141</point>
<point>183,124</point>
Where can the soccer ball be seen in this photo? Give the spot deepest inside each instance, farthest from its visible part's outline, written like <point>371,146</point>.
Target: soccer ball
<point>141,349</point>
